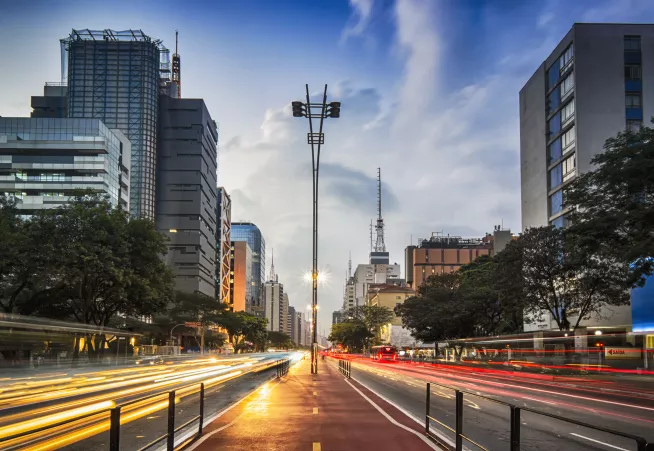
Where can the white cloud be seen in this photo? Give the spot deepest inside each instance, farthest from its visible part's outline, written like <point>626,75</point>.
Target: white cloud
<point>359,19</point>
<point>449,162</point>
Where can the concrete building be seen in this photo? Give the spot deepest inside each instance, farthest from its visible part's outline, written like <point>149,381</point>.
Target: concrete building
<point>444,253</point>
<point>186,195</point>
<point>299,331</point>
<point>368,274</point>
<point>43,162</point>
<point>273,294</point>
<point>223,243</point>
<point>247,231</point>
<point>390,296</point>
<point>283,315</point>
<point>53,103</point>
<point>337,317</point>
<point>292,324</point>
<point>597,81</point>
<point>349,296</point>
<point>240,282</point>
<point>115,76</point>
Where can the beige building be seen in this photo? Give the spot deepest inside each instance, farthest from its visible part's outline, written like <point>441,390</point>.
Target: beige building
<point>240,282</point>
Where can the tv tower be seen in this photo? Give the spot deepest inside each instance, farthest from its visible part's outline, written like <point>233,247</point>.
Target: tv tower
<point>379,228</point>
<point>177,68</point>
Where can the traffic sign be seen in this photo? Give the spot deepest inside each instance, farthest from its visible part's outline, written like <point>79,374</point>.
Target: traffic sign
<point>193,324</point>
<point>612,352</point>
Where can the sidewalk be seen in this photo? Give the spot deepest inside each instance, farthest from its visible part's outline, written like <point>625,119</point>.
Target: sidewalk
<point>308,412</point>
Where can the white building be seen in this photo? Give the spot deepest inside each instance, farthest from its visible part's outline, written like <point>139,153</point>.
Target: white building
<point>273,295</point>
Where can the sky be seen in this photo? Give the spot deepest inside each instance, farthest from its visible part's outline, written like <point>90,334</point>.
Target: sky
<point>429,92</point>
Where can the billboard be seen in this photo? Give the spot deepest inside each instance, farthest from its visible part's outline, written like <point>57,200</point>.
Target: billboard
<point>642,307</point>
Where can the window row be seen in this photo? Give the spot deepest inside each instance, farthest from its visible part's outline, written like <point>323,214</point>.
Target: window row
<point>559,66</point>
<point>563,172</point>
<point>562,144</point>
<point>561,118</point>
<point>560,93</point>
<point>632,43</point>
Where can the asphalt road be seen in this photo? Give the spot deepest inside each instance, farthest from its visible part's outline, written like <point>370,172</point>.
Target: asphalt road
<point>623,407</point>
<point>45,399</point>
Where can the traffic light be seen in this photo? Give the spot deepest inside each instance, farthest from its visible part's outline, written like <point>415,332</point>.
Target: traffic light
<point>298,109</point>
<point>334,109</point>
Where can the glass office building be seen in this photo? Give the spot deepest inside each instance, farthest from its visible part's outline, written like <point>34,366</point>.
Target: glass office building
<point>115,76</point>
<point>43,162</point>
<point>246,231</point>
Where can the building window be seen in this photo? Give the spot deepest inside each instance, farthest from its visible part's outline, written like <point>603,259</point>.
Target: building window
<point>553,74</point>
<point>558,222</point>
<point>567,112</point>
<point>556,202</point>
<point>566,58</point>
<point>554,100</point>
<point>554,124</point>
<point>632,72</point>
<point>633,100</point>
<point>556,176</point>
<point>632,43</point>
<point>568,168</point>
<point>568,138</point>
<point>555,150</point>
<point>567,85</point>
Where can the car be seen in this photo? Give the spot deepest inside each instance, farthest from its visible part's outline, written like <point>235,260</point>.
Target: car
<point>151,360</point>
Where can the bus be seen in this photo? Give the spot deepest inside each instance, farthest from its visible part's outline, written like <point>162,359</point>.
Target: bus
<point>381,353</point>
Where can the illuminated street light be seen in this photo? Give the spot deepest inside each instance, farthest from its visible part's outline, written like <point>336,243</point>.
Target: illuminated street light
<point>312,111</point>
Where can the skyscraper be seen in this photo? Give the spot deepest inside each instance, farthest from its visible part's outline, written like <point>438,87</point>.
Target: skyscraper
<point>598,81</point>
<point>116,76</point>
<point>223,243</point>
<point>186,194</point>
<point>274,298</point>
<point>246,231</point>
<point>240,282</point>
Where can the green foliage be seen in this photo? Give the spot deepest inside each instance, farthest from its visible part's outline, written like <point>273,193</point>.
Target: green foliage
<point>561,278</point>
<point>352,334</point>
<point>279,340</point>
<point>373,317</point>
<point>85,261</point>
<point>243,327</point>
<point>613,205</point>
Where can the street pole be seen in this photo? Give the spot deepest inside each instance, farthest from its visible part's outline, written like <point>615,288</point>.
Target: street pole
<point>305,110</point>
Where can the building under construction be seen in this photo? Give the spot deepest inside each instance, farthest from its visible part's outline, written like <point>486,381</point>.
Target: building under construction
<point>117,76</point>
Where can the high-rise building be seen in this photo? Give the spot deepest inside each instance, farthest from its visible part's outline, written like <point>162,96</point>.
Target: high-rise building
<point>246,231</point>
<point>240,282</point>
<point>292,324</point>
<point>186,193</point>
<point>283,315</point>
<point>369,274</point>
<point>299,321</point>
<point>349,296</point>
<point>593,85</point>
<point>44,161</point>
<point>115,76</point>
<point>223,243</point>
<point>337,317</point>
<point>441,254</point>
<point>598,81</point>
<point>273,294</point>
<point>53,103</point>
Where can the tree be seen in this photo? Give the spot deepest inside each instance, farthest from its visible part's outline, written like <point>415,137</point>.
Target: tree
<point>198,308</point>
<point>564,280</point>
<point>509,283</point>
<point>613,204</point>
<point>279,340</point>
<point>352,334</point>
<point>242,327</point>
<point>98,263</point>
<point>373,317</point>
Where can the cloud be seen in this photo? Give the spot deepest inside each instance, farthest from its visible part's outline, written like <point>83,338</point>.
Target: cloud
<point>359,19</point>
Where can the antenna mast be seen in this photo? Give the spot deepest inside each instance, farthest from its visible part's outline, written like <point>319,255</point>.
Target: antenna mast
<point>380,246</point>
<point>177,73</point>
<point>273,276</point>
<point>349,267</point>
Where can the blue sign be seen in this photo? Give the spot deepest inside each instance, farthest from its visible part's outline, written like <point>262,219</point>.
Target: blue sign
<point>642,307</point>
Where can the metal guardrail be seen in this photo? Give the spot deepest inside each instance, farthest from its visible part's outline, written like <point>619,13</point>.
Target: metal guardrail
<point>514,421</point>
<point>345,367</point>
<point>281,365</point>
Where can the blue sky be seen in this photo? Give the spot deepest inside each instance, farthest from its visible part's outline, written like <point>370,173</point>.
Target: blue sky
<point>429,91</point>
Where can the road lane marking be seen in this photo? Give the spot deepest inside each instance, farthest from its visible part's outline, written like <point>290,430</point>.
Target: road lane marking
<point>390,418</point>
<point>316,446</point>
<point>597,441</point>
<point>315,411</point>
<point>538,400</point>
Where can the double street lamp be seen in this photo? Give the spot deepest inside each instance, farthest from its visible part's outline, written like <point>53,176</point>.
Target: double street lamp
<point>313,111</point>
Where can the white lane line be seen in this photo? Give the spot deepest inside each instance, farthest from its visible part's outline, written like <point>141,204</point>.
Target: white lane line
<point>538,400</point>
<point>597,441</point>
<point>391,419</point>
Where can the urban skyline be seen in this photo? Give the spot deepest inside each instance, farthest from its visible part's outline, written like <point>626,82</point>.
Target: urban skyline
<point>259,142</point>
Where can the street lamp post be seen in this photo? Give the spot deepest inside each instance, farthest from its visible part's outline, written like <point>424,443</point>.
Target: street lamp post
<point>312,111</point>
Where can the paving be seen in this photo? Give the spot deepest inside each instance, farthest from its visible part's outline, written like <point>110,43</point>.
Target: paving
<point>322,412</point>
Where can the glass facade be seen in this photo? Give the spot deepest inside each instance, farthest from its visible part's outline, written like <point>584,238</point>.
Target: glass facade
<point>114,76</point>
<point>43,161</point>
<point>246,231</point>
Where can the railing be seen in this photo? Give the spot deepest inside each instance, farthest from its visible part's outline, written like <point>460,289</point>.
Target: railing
<point>281,365</point>
<point>514,426</point>
<point>345,367</point>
